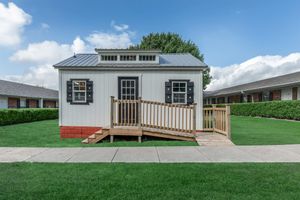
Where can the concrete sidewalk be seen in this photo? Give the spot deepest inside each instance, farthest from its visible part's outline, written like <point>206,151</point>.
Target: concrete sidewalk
<point>197,154</point>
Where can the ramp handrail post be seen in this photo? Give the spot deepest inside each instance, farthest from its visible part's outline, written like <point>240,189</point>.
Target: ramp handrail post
<point>194,118</point>
<point>214,117</point>
<point>228,128</point>
<point>139,121</point>
<point>112,111</point>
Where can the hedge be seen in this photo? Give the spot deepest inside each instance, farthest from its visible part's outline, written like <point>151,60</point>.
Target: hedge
<point>15,116</point>
<point>271,109</point>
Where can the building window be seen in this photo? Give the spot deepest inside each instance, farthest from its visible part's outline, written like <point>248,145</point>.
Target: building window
<point>127,57</point>
<point>79,91</point>
<point>22,103</point>
<point>109,57</point>
<point>179,92</point>
<point>147,58</point>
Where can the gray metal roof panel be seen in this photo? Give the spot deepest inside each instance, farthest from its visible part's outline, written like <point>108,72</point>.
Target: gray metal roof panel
<point>275,82</point>
<point>8,88</point>
<point>165,60</point>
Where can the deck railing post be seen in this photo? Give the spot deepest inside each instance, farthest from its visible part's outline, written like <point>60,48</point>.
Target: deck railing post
<point>112,111</point>
<point>139,121</point>
<point>214,117</point>
<point>228,128</point>
<point>194,118</point>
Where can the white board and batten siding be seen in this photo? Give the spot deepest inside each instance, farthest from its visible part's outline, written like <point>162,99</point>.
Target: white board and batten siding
<point>151,87</point>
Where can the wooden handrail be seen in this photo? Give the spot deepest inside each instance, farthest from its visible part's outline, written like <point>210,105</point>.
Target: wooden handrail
<point>217,119</point>
<point>152,114</point>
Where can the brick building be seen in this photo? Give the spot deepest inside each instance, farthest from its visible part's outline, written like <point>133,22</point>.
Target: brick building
<point>18,95</point>
<point>285,87</point>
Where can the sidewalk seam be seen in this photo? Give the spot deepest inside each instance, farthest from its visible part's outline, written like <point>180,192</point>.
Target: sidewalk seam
<point>73,155</point>
<point>157,155</point>
<point>32,156</point>
<point>115,155</point>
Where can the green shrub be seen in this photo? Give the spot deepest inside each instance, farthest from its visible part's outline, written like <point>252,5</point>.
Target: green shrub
<point>271,109</point>
<point>15,116</point>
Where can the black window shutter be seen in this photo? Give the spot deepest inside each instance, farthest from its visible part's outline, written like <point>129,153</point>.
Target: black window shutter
<point>190,92</point>
<point>69,91</point>
<point>89,91</point>
<point>168,92</point>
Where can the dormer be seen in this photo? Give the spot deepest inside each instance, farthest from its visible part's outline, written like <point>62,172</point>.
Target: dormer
<point>127,56</point>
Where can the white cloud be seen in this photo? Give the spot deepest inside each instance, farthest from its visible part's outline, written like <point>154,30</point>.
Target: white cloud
<point>42,75</point>
<point>254,69</point>
<point>119,27</point>
<point>48,52</point>
<point>45,26</point>
<point>43,55</point>
<point>110,40</point>
<point>12,22</point>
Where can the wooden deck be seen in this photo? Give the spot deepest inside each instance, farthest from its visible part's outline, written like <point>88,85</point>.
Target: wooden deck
<point>149,118</point>
<point>139,133</point>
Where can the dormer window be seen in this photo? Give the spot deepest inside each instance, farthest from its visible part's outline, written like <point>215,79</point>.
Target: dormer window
<point>127,57</point>
<point>109,57</point>
<point>147,58</point>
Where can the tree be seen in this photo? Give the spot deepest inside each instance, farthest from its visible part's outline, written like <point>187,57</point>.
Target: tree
<point>172,43</point>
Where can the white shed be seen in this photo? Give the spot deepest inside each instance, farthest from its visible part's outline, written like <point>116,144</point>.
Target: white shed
<point>87,83</point>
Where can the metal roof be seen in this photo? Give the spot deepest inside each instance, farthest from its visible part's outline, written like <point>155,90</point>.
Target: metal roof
<point>275,82</point>
<point>8,88</point>
<point>127,50</point>
<point>165,60</point>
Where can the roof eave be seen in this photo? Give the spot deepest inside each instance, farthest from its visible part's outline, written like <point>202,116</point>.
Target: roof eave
<point>202,68</point>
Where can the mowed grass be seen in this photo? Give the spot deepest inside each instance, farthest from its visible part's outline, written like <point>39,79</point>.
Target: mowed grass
<point>245,131</point>
<point>263,131</point>
<point>46,134</point>
<point>149,181</point>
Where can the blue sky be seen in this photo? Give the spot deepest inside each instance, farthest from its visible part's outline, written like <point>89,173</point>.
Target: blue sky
<point>226,31</point>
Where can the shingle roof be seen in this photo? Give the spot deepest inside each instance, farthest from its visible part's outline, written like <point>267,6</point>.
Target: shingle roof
<point>275,82</point>
<point>165,60</point>
<point>8,88</point>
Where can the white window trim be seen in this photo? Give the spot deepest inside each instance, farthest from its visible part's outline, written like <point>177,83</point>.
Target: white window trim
<point>185,98</point>
<point>73,92</point>
<point>134,87</point>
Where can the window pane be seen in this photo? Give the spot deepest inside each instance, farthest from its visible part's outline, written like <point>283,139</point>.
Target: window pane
<point>182,89</point>
<point>175,84</point>
<point>182,84</point>
<point>178,98</point>
<point>175,89</point>
<point>132,83</point>
<point>79,96</point>
<point>132,91</point>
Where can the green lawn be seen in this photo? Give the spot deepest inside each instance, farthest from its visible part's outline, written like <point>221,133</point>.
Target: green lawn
<point>149,181</point>
<point>245,131</point>
<point>46,134</point>
<point>259,131</point>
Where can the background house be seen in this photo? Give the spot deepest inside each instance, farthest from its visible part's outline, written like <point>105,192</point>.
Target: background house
<point>285,87</point>
<point>87,81</point>
<point>18,95</point>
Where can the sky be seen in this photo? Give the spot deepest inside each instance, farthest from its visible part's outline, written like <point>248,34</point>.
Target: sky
<point>242,40</point>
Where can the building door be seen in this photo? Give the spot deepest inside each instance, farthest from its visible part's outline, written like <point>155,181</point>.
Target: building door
<point>295,93</point>
<point>128,90</point>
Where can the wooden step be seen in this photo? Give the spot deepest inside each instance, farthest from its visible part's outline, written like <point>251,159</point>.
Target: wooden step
<point>96,137</point>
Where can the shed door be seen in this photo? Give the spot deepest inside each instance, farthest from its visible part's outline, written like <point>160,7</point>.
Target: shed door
<point>128,90</point>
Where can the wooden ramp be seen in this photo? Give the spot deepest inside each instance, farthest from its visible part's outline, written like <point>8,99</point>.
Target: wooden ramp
<point>134,131</point>
<point>149,118</point>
